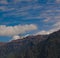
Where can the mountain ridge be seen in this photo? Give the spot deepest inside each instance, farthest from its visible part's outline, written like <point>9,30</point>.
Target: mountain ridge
<point>33,47</point>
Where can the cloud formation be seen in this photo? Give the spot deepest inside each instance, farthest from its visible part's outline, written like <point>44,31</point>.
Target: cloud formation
<point>55,27</point>
<point>49,13</point>
<point>16,37</point>
<point>3,2</point>
<point>15,30</point>
<point>43,32</point>
<point>58,1</point>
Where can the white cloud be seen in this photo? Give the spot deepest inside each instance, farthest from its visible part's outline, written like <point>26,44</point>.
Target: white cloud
<point>55,27</point>
<point>3,2</point>
<point>21,0</point>
<point>12,1</point>
<point>57,24</point>
<point>15,30</point>
<point>47,20</point>
<point>43,32</point>
<point>16,37</point>
<point>58,1</point>
<point>26,35</point>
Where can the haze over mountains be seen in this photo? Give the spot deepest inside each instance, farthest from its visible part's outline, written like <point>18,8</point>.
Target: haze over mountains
<point>40,46</point>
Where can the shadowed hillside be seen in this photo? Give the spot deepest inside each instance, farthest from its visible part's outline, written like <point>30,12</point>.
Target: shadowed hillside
<point>40,46</point>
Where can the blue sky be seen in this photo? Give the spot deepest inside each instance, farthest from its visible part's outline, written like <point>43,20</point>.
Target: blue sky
<point>22,17</point>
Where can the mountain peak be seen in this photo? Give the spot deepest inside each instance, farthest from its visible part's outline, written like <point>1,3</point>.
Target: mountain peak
<point>54,37</point>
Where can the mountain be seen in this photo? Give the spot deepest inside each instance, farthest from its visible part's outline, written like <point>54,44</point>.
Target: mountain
<point>50,48</point>
<point>18,48</point>
<point>40,46</point>
<point>2,43</point>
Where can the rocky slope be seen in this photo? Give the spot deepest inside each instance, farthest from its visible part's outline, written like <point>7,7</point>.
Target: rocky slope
<point>40,46</point>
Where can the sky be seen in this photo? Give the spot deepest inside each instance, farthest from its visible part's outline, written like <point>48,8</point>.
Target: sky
<point>20,18</point>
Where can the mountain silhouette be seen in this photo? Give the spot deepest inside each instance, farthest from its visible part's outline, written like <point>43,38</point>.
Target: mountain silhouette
<point>39,46</point>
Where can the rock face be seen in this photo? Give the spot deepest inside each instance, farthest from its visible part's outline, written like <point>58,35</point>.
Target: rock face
<point>54,45</point>
<point>1,43</point>
<point>50,48</point>
<point>40,46</point>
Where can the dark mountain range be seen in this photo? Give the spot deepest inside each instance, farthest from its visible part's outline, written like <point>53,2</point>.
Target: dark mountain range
<point>50,48</point>
<point>40,46</point>
<point>2,43</point>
